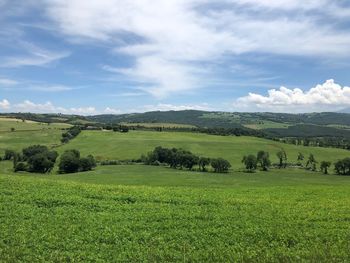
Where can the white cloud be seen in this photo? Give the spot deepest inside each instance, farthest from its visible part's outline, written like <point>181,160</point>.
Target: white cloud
<point>4,104</point>
<point>169,38</point>
<point>48,107</point>
<point>326,97</point>
<point>169,107</point>
<point>109,110</point>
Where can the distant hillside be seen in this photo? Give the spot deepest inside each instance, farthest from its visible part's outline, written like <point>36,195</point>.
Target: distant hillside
<point>326,124</point>
<point>225,119</point>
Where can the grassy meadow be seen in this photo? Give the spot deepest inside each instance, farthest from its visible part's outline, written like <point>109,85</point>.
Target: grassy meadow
<point>115,145</point>
<point>137,213</point>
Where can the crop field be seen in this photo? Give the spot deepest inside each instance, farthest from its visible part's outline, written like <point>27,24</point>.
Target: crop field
<point>138,213</point>
<point>46,220</point>
<point>115,145</point>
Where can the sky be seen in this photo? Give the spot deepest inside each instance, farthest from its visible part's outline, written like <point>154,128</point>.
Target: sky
<point>119,56</point>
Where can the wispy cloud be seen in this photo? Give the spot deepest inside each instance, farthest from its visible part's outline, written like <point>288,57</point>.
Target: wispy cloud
<point>173,39</point>
<point>7,82</point>
<point>50,88</point>
<point>35,56</point>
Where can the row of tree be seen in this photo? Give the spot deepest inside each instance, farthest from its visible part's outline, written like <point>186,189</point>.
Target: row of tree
<point>39,159</point>
<point>180,158</point>
<point>70,134</point>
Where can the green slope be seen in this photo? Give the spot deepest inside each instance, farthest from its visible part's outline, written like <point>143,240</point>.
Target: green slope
<point>115,145</point>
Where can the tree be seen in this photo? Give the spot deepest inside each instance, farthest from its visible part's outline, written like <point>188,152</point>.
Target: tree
<point>282,157</point>
<point>87,163</point>
<point>342,167</point>
<point>9,155</point>
<point>33,150</point>
<point>300,158</point>
<point>324,166</point>
<point>40,163</point>
<point>311,163</point>
<point>69,162</point>
<point>250,162</point>
<point>220,165</point>
<point>263,159</point>
<point>203,162</point>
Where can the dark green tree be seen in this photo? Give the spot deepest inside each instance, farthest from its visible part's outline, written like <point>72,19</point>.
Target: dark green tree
<point>311,163</point>
<point>324,166</point>
<point>250,162</point>
<point>69,162</point>
<point>263,159</point>
<point>220,165</point>
<point>203,162</point>
<point>282,157</point>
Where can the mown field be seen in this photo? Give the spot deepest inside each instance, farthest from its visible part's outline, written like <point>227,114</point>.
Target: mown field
<point>137,213</point>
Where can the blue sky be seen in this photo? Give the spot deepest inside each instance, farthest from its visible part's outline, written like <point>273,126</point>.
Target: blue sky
<point>114,56</point>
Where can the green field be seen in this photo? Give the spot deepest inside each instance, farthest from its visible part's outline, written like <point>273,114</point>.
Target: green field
<point>115,145</point>
<point>137,213</point>
<point>7,123</point>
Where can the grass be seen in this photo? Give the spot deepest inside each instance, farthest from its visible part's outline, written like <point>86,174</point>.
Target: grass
<point>139,213</point>
<point>115,145</point>
<point>20,139</point>
<point>46,220</point>
<point>7,123</point>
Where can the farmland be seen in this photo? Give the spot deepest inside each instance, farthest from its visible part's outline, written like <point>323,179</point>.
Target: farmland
<point>138,213</point>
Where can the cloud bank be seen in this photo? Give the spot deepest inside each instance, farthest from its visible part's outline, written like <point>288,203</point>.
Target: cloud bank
<point>328,96</point>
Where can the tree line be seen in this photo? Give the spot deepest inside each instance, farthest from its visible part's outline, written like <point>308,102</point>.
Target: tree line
<point>180,158</point>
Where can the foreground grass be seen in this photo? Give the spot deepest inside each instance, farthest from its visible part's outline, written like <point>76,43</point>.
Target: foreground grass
<point>45,220</point>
